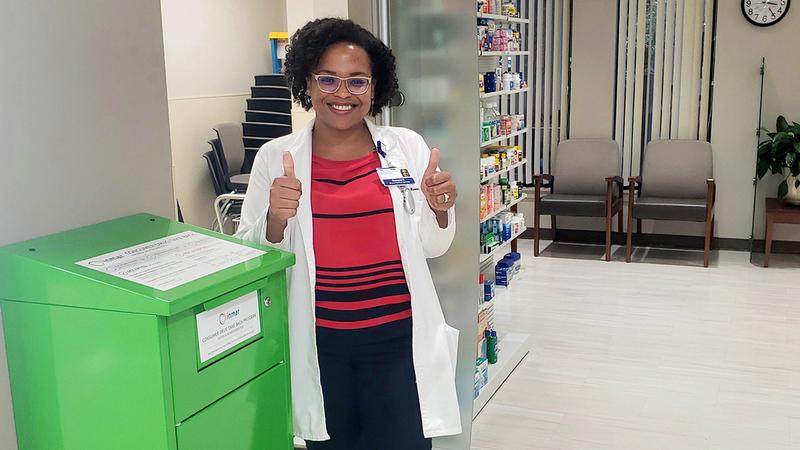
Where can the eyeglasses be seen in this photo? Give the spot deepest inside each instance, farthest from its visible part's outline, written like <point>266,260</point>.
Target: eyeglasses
<point>330,84</point>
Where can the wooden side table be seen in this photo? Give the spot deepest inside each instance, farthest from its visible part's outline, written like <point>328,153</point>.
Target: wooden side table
<point>777,212</point>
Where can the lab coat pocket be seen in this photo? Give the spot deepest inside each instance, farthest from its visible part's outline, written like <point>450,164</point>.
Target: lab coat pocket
<point>452,346</point>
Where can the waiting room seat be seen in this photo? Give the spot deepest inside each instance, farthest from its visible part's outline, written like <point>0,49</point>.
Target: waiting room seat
<point>583,184</point>
<point>227,204</point>
<point>677,183</point>
<point>231,153</point>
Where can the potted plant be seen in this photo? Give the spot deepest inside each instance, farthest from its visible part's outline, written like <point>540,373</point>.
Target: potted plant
<point>780,154</point>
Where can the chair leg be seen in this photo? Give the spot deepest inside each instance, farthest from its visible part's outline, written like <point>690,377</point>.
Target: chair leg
<point>629,241</point>
<point>608,234</point>
<point>709,235</point>
<point>536,234</point>
<point>620,219</point>
<point>553,226</point>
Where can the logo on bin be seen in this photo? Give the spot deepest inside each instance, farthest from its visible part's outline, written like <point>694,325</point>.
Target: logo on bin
<point>225,316</point>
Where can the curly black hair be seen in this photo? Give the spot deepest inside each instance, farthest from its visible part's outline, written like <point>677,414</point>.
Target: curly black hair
<point>310,42</point>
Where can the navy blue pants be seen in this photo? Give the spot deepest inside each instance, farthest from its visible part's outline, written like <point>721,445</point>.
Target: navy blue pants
<point>371,400</point>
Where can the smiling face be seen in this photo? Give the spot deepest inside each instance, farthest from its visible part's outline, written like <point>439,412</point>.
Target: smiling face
<point>342,110</point>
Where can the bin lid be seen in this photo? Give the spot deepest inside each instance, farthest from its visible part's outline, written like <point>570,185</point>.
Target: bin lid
<point>46,270</point>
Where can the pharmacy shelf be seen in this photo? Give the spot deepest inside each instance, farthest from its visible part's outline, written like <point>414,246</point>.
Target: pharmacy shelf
<point>504,207</point>
<point>515,53</point>
<point>487,256</point>
<point>499,17</point>
<point>509,169</point>
<point>503,138</point>
<point>499,93</point>
<point>515,347</point>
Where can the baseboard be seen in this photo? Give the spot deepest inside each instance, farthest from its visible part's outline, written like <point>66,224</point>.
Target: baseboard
<point>663,240</point>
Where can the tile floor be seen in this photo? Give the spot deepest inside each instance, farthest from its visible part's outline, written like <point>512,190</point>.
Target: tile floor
<point>659,354</point>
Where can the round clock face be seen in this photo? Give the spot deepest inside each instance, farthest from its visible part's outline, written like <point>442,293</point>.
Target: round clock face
<point>765,12</point>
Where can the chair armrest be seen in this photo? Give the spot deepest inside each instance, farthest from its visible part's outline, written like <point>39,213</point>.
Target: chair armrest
<point>539,180</point>
<point>538,184</point>
<point>620,184</point>
<point>634,184</point>
<point>616,178</point>
<point>231,196</point>
<point>711,195</point>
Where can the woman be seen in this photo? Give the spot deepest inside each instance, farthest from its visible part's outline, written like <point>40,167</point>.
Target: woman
<point>372,359</point>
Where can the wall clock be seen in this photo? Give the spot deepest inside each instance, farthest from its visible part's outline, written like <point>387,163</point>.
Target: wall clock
<point>765,12</point>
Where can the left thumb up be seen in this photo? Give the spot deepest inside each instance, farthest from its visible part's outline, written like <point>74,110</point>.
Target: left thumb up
<point>433,164</point>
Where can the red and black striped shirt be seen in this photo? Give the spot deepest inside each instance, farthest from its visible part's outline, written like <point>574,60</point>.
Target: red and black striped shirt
<point>361,290</point>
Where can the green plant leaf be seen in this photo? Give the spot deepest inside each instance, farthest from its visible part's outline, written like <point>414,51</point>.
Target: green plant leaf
<point>796,128</point>
<point>783,189</point>
<point>783,137</point>
<point>782,124</point>
<point>762,168</point>
<point>790,159</point>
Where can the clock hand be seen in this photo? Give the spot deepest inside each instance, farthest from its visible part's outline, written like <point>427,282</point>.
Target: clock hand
<point>771,12</point>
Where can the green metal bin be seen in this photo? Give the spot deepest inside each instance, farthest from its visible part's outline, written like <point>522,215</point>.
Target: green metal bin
<point>100,362</point>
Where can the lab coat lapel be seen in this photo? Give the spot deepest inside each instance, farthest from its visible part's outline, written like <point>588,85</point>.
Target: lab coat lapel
<point>302,162</point>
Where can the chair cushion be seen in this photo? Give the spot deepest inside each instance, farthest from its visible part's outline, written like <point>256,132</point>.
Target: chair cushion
<point>582,165</point>
<point>242,178</point>
<point>573,205</point>
<point>677,168</point>
<point>665,208</point>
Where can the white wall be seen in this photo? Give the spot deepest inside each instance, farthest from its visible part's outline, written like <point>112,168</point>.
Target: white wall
<point>735,106</point>
<point>84,123</point>
<point>740,47</point>
<point>213,49</point>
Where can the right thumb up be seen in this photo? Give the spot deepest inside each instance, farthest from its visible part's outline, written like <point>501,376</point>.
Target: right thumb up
<point>288,165</point>
<point>284,196</point>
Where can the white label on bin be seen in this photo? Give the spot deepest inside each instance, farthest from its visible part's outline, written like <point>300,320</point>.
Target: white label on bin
<point>172,261</point>
<point>228,325</point>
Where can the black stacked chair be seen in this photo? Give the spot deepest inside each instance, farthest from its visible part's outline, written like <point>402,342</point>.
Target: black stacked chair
<point>268,115</point>
<point>227,205</point>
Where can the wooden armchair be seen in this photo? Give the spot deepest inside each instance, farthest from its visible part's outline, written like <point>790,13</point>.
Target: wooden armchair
<point>582,186</point>
<point>677,183</point>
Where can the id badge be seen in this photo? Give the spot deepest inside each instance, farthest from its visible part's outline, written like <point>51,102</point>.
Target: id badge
<point>392,176</point>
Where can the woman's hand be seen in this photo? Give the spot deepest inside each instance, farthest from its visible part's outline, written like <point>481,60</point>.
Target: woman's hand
<point>284,199</point>
<point>439,189</point>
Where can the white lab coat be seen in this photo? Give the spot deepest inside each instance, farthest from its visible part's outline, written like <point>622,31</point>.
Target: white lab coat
<point>419,237</point>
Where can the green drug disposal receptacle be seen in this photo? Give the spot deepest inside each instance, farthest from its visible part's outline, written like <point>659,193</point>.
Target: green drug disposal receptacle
<point>145,334</point>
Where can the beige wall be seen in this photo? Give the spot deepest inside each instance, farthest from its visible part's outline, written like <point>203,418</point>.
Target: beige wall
<point>593,70</point>
<point>83,118</point>
<point>213,50</point>
<point>740,47</point>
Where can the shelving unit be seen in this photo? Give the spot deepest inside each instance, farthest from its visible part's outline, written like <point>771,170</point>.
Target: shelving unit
<point>487,256</point>
<point>499,93</point>
<point>503,138</point>
<point>514,347</point>
<point>505,208</point>
<point>502,18</point>
<point>498,173</point>
<point>514,53</point>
